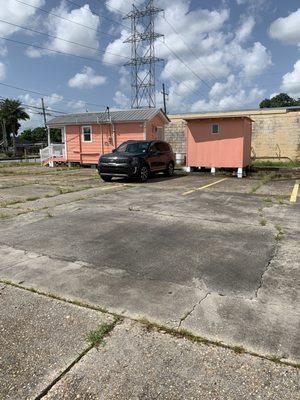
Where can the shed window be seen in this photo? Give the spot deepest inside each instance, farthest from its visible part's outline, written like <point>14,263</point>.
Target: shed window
<point>87,133</point>
<point>215,128</point>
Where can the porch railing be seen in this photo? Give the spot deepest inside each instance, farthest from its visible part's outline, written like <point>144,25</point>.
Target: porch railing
<point>52,153</point>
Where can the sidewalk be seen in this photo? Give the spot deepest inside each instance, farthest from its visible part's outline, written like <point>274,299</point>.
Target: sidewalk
<point>45,354</point>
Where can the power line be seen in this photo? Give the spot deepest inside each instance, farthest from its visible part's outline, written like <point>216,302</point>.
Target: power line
<point>100,15</point>
<point>36,108</point>
<point>57,51</point>
<point>187,66</point>
<point>190,49</point>
<point>64,100</point>
<point>196,92</point>
<point>64,40</point>
<point>60,17</point>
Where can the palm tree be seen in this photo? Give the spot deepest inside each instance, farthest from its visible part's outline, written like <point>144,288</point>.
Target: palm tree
<point>11,112</point>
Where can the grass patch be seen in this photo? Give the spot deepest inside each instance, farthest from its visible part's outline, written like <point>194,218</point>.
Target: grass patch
<point>95,338</point>
<point>18,164</point>
<point>3,216</point>
<point>263,222</point>
<point>268,200</point>
<point>239,350</point>
<point>33,198</point>
<point>265,177</point>
<point>280,201</point>
<point>276,164</point>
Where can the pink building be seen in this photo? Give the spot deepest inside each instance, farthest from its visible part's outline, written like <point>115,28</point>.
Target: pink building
<point>87,136</point>
<point>219,142</point>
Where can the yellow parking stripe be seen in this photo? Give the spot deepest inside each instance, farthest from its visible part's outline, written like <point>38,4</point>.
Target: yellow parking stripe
<point>204,187</point>
<point>295,193</point>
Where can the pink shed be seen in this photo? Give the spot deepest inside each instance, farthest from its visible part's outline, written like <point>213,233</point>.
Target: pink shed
<point>219,142</point>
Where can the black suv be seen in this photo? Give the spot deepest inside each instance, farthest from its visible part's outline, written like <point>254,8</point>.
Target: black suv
<point>137,159</point>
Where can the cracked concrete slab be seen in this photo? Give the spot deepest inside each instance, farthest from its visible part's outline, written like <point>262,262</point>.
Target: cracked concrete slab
<point>110,288</point>
<point>203,262</point>
<point>125,240</point>
<point>138,364</point>
<point>269,323</point>
<point>39,338</point>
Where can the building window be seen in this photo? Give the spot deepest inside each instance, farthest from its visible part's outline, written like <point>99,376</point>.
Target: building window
<point>215,128</point>
<point>87,133</point>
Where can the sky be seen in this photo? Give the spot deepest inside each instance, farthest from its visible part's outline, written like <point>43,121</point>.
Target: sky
<point>217,54</point>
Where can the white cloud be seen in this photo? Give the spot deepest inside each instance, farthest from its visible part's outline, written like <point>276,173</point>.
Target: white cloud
<point>18,14</point>
<point>212,50</point>
<point>3,49</point>
<point>117,6</point>
<point>50,102</point>
<point>2,71</point>
<point>256,60</point>
<point>121,100</point>
<point>291,81</point>
<point>86,79</point>
<point>238,100</point>
<point>71,32</point>
<point>116,48</point>
<point>287,29</point>
<point>254,5</point>
<point>244,31</point>
<point>229,95</point>
<point>78,106</point>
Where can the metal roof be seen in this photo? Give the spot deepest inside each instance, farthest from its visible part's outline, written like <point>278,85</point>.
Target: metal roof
<point>195,117</point>
<point>235,113</point>
<point>133,115</point>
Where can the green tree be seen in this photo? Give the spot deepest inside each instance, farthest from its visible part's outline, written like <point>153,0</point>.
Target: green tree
<point>39,134</point>
<point>11,111</point>
<point>281,100</point>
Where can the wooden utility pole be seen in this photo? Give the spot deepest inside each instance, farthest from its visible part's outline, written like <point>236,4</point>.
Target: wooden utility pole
<point>45,122</point>
<point>165,94</point>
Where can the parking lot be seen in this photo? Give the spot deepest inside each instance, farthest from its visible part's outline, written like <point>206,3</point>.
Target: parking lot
<point>215,257</point>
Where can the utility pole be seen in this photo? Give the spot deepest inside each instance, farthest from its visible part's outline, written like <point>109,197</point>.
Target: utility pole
<point>165,94</point>
<point>143,60</point>
<point>45,123</point>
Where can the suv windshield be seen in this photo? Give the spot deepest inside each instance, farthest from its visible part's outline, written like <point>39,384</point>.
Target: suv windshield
<point>136,147</point>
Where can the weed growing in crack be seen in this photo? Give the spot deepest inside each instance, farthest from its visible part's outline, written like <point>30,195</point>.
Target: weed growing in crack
<point>279,235</point>
<point>275,359</point>
<point>264,178</point>
<point>33,198</point>
<point>49,215</point>
<point>263,222</point>
<point>95,338</point>
<point>268,200</point>
<point>238,350</point>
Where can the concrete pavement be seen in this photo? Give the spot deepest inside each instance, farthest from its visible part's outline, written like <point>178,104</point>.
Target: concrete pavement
<point>221,263</point>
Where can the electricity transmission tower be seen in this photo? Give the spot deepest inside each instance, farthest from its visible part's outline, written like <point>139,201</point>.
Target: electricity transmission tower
<point>143,60</point>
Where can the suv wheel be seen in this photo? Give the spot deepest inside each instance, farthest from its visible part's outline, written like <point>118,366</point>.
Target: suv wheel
<point>170,170</point>
<point>144,173</point>
<point>106,178</point>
